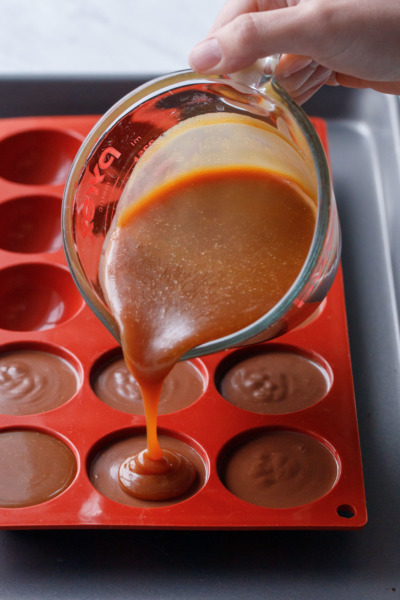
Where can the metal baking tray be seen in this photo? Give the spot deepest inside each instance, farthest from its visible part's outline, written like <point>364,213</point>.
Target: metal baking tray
<point>364,139</point>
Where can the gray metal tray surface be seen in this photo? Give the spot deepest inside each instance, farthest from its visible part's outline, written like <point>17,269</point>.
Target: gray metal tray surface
<point>364,137</point>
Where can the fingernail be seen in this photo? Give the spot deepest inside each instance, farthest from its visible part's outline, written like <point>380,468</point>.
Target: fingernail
<point>205,55</point>
<point>332,79</point>
<point>322,74</point>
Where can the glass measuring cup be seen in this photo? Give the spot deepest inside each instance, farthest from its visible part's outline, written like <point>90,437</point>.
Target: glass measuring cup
<point>274,133</point>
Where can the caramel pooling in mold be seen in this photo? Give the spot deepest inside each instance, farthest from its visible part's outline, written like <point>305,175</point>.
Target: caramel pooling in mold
<point>160,479</point>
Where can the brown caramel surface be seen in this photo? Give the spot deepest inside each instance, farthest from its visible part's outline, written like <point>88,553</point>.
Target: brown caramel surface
<point>275,383</point>
<point>34,382</point>
<point>34,467</point>
<point>280,469</point>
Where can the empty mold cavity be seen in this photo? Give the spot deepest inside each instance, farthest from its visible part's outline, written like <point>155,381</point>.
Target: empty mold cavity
<point>109,454</point>
<point>34,379</point>
<point>36,297</point>
<point>114,385</point>
<point>31,224</point>
<point>277,468</point>
<point>38,156</point>
<point>34,467</point>
<point>273,380</point>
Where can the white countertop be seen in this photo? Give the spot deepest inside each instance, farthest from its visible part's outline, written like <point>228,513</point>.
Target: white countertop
<point>100,37</point>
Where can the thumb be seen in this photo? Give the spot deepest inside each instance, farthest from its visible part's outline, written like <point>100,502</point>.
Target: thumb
<point>248,37</point>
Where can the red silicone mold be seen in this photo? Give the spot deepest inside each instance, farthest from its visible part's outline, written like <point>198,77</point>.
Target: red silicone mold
<point>40,309</point>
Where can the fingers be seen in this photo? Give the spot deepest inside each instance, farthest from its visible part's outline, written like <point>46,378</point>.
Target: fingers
<point>307,94</point>
<point>338,40</point>
<point>301,77</point>
<point>302,83</point>
<point>251,36</point>
<point>387,87</point>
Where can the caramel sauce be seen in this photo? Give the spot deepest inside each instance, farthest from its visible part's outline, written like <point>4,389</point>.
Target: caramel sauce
<point>33,381</point>
<point>280,469</point>
<point>274,383</point>
<point>161,479</point>
<point>34,468</point>
<point>196,259</point>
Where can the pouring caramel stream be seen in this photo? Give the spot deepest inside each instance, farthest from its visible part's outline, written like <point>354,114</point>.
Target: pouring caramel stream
<point>196,259</point>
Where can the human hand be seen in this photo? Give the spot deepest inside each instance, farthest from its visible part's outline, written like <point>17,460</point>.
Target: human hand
<point>346,42</point>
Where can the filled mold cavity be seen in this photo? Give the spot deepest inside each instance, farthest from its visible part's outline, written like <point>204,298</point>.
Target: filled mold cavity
<point>31,224</point>
<point>108,457</point>
<point>278,468</point>
<point>36,296</point>
<point>33,379</point>
<point>34,467</point>
<point>273,379</point>
<point>114,385</point>
<point>38,156</point>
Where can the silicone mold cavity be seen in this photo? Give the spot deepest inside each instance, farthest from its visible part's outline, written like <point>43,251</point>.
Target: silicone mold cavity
<point>37,296</point>
<point>31,224</point>
<point>38,156</point>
